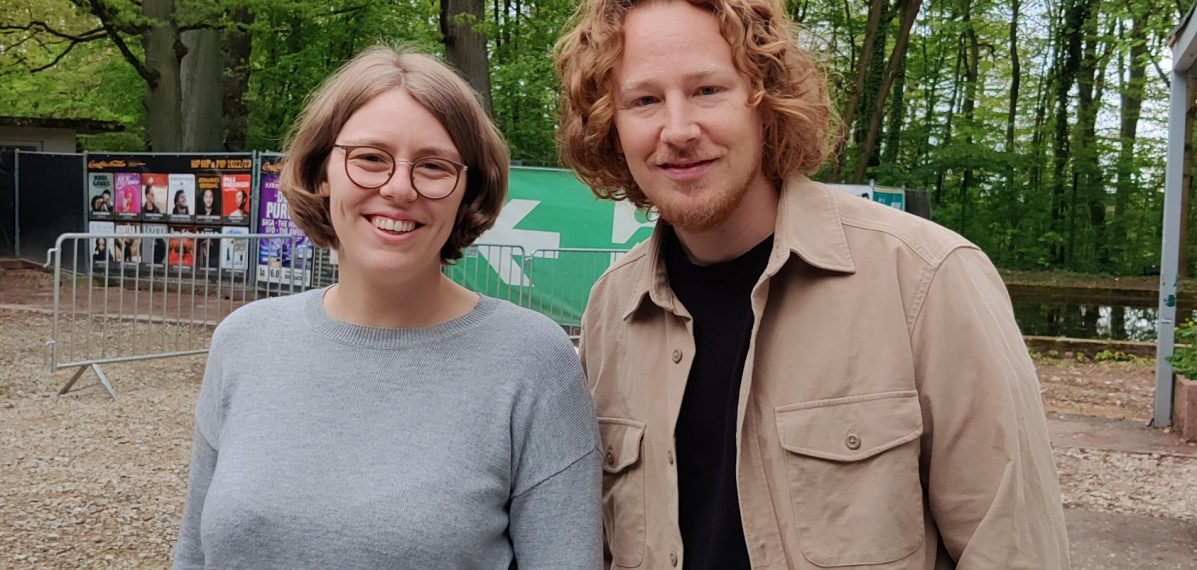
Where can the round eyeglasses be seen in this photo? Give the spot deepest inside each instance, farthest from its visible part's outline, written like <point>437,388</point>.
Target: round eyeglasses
<point>370,167</point>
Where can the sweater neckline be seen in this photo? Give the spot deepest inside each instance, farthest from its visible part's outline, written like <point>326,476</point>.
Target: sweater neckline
<point>387,338</point>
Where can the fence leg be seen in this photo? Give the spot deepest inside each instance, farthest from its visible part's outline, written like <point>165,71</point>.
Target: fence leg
<point>99,374</point>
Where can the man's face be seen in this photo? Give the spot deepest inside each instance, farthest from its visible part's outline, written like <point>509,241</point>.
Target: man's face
<point>690,139</point>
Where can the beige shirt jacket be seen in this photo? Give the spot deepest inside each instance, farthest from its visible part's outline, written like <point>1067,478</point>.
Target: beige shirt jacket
<point>889,415</point>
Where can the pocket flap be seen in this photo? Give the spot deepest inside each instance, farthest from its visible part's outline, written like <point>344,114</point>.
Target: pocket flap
<point>851,428</point>
<point>621,443</point>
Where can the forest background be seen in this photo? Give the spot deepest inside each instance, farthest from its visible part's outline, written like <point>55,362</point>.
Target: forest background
<point>1037,126</point>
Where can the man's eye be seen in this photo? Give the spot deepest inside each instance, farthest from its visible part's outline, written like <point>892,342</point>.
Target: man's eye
<point>709,90</point>
<point>644,101</point>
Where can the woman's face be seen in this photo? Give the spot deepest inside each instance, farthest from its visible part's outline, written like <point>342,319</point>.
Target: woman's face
<point>209,199</point>
<point>240,199</point>
<point>180,199</point>
<point>392,229</point>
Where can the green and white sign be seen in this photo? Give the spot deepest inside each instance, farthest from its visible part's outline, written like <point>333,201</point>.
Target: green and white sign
<point>550,243</point>
<point>554,239</point>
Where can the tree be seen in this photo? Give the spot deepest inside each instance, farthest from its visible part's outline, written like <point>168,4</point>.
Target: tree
<point>465,44</point>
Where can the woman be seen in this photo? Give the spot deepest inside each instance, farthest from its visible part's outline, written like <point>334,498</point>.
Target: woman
<point>404,422</point>
<point>181,208</point>
<point>100,251</point>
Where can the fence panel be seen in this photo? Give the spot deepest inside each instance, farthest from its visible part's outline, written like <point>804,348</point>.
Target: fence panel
<point>561,280</point>
<point>492,270</point>
<point>137,296</point>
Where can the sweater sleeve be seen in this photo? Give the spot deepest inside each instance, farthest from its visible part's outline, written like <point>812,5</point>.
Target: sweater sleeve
<point>555,514</point>
<point>557,524</point>
<point>188,550</point>
<point>209,414</point>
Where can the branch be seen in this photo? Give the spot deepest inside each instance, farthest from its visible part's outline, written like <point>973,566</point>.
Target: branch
<point>193,27</point>
<point>36,25</point>
<point>106,20</point>
<point>1160,71</point>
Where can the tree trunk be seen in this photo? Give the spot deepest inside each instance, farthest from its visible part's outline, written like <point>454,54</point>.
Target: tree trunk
<point>909,10</point>
<point>947,127</point>
<point>465,44</point>
<point>1075,14</point>
<point>897,117</point>
<point>969,108</point>
<point>1015,82</point>
<point>1132,105</point>
<point>203,91</point>
<point>876,7</point>
<point>163,54</point>
<point>238,45</point>
<point>1092,173</point>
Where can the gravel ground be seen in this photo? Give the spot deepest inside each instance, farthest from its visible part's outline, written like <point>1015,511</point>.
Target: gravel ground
<point>89,482</point>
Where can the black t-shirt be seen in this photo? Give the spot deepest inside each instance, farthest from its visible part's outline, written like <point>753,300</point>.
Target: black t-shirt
<point>718,298</point>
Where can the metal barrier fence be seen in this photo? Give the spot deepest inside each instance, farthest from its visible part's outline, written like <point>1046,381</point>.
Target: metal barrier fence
<point>493,270</point>
<point>561,281</point>
<point>137,296</point>
<point>124,297</point>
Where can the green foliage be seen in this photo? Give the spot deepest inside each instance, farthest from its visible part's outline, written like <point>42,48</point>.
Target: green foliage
<point>1007,205</point>
<point>1184,357</point>
<point>1108,355</point>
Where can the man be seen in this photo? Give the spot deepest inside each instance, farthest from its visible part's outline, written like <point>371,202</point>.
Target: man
<point>786,376</point>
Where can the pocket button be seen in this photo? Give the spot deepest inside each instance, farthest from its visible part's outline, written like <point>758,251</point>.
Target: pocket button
<point>673,559</point>
<point>852,441</point>
<point>677,356</point>
<point>610,457</point>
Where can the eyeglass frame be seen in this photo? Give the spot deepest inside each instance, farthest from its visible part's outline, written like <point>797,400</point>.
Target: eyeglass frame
<point>395,162</point>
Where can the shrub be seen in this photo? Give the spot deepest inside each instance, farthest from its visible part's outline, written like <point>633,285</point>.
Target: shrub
<point>1184,358</point>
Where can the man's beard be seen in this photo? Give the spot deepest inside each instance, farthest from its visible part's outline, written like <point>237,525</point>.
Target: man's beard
<point>713,209</point>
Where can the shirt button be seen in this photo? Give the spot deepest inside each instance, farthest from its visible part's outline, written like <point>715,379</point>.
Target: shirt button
<point>677,356</point>
<point>669,456</point>
<point>610,457</point>
<point>673,559</point>
<point>852,441</point>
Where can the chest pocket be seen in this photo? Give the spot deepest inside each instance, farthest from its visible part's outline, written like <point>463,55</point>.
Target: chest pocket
<point>853,466</point>
<point>623,490</point>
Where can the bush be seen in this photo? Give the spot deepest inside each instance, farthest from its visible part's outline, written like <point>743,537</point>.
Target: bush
<point>1184,358</point>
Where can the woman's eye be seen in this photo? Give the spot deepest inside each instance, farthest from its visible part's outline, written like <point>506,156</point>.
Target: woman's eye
<point>370,158</point>
<point>644,101</point>
<point>433,166</point>
<point>709,90</point>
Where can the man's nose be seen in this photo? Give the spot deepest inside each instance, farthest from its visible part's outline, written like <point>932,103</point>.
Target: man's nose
<point>681,126</point>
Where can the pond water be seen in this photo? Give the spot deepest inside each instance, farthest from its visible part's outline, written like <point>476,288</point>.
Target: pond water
<point>1125,319</point>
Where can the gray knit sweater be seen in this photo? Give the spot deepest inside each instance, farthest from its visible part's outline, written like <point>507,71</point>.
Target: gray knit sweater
<point>321,444</point>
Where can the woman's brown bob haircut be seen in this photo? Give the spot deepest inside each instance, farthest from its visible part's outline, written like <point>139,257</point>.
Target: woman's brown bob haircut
<point>432,84</point>
<point>787,86</point>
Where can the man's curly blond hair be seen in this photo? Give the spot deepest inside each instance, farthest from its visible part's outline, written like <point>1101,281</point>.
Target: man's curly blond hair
<point>786,85</point>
